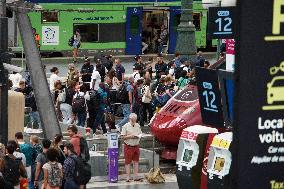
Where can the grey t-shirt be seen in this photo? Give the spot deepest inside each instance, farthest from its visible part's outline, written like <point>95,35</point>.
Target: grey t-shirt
<point>41,158</point>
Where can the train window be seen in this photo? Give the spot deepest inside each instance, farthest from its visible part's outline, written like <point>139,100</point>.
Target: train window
<point>134,25</point>
<point>197,21</point>
<point>115,32</point>
<point>49,16</point>
<point>89,32</point>
<point>187,94</point>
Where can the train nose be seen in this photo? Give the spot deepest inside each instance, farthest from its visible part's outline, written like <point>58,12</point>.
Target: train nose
<point>167,129</point>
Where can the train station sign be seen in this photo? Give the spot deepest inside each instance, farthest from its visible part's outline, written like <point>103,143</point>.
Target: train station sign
<point>259,93</point>
<point>209,97</point>
<point>221,22</point>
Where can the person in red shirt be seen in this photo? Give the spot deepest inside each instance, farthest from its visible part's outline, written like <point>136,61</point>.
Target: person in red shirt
<point>75,138</point>
<point>37,38</point>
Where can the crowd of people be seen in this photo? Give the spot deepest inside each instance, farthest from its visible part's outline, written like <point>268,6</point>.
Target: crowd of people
<point>92,97</point>
<point>50,164</point>
<point>96,94</point>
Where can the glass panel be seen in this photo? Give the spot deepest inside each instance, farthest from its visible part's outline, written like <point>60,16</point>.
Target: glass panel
<point>114,32</point>
<point>134,25</point>
<point>89,32</point>
<point>49,16</point>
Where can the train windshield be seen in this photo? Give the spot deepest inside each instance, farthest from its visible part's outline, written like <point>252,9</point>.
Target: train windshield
<point>188,94</point>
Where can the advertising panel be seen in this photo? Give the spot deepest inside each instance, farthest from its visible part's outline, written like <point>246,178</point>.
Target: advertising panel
<point>50,35</point>
<point>259,105</point>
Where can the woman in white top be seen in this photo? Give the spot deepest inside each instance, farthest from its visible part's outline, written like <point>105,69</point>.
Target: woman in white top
<point>53,78</point>
<point>76,45</point>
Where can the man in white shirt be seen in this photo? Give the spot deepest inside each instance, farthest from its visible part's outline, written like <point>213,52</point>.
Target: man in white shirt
<point>131,134</point>
<point>53,78</point>
<point>96,80</point>
<point>15,78</point>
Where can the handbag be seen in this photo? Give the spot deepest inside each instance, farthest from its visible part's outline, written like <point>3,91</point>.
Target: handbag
<point>155,176</point>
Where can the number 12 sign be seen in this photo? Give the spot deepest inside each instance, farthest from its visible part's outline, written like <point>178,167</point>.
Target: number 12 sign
<point>209,97</point>
<point>221,22</point>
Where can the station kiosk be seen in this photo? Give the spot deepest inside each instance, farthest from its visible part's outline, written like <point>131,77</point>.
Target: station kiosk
<point>219,162</point>
<point>192,151</point>
<point>113,155</point>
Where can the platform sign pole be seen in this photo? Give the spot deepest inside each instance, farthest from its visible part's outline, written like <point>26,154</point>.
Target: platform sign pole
<point>3,74</point>
<point>258,157</point>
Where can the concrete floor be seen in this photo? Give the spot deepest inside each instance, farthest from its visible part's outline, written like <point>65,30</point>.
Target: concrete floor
<point>100,182</point>
<point>142,186</point>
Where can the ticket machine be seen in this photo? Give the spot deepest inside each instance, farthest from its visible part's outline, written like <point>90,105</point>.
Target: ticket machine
<point>113,155</point>
<point>219,162</point>
<point>192,150</point>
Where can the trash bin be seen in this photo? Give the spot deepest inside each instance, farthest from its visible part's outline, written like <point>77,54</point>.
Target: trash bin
<point>113,155</point>
<point>191,155</point>
<point>219,162</point>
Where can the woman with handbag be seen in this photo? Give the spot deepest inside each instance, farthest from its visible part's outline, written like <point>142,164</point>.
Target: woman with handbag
<point>146,99</point>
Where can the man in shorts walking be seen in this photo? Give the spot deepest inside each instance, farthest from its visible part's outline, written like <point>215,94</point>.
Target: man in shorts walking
<point>131,134</point>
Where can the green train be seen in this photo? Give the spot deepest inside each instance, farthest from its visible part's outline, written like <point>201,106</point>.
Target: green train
<point>112,26</point>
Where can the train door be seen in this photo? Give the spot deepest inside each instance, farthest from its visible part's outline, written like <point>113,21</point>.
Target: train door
<point>153,18</point>
<point>133,30</point>
<point>175,13</point>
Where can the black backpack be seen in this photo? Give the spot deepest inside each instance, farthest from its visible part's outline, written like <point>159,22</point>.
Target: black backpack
<point>122,94</point>
<point>84,149</point>
<point>79,105</point>
<point>82,173</point>
<point>11,173</point>
<point>71,41</point>
<point>94,101</point>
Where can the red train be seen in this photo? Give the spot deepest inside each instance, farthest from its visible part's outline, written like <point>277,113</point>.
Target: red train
<point>181,111</point>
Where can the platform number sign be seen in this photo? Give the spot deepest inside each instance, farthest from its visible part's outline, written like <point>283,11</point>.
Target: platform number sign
<point>221,22</point>
<point>209,97</point>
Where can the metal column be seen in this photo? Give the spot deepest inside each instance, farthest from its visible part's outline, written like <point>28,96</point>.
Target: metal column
<point>43,98</point>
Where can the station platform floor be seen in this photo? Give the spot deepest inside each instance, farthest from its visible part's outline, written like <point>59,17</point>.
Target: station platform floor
<point>101,182</point>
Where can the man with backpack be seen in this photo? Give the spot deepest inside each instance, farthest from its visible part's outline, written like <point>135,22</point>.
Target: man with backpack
<point>80,144</point>
<point>12,168</point>
<point>79,105</point>
<point>125,97</point>
<point>77,172</point>
<point>40,161</point>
